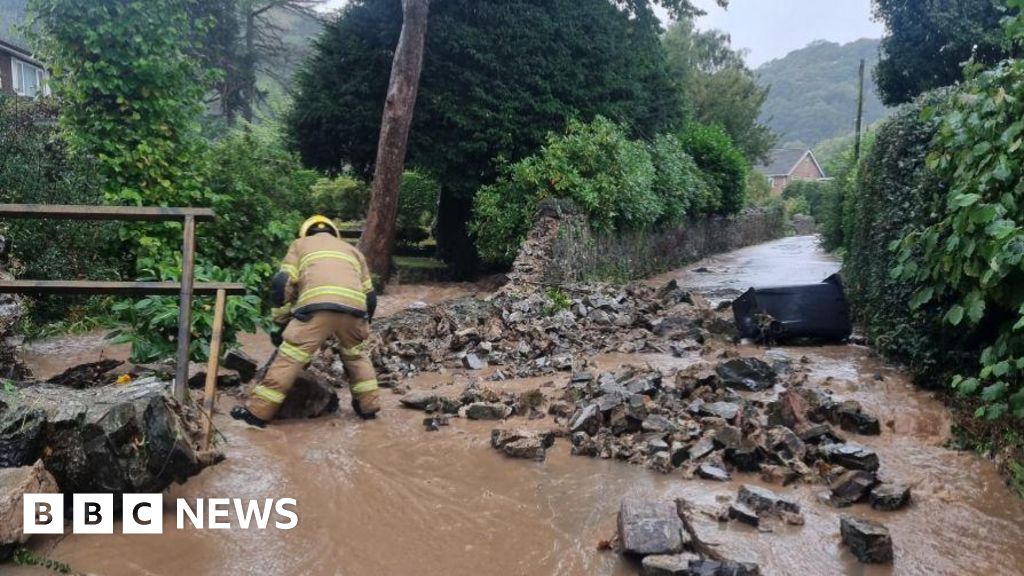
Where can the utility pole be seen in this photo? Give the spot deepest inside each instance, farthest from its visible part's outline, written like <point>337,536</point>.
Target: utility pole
<point>860,114</point>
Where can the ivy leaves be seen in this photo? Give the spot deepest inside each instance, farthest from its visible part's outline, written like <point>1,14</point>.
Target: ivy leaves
<point>971,257</point>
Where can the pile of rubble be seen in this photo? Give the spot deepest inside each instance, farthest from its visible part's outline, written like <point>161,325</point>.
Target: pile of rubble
<point>535,332</point>
<point>711,420</point>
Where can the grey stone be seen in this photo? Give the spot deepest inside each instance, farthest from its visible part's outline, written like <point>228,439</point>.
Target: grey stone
<point>851,456</point>
<point>869,541</point>
<point>743,513</point>
<point>853,419</point>
<point>712,472</point>
<point>488,411</point>
<point>702,448</point>
<point>310,397</point>
<point>242,363</point>
<point>726,568</point>
<point>763,501</point>
<point>785,444</point>
<point>14,484</point>
<point>667,565</point>
<point>890,496</point>
<point>586,419</point>
<point>418,400</point>
<point>751,374</point>
<point>525,444</point>
<point>851,487</point>
<point>650,527</point>
<point>728,437</point>
<point>474,362</point>
<point>657,423</point>
<point>724,410</point>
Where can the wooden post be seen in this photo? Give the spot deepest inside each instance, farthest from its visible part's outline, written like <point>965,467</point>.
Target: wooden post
<point>860,114</point>
<point>213,365</point>
<point>188,260</point>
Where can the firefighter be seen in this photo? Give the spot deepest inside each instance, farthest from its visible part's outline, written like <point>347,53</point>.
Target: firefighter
<point>323,289</point>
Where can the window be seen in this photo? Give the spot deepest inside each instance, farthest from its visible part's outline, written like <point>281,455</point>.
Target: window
<point>29,80</point>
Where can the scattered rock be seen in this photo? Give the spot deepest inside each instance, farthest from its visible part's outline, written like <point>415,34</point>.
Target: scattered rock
<point>851,487</point>
<point>418,400</point>
<point>473,362</point>
<point>434,423</point>
<point>311,396</point>
<point>14,484</point>
<point>242,363</point>
<point>726,568</point>
<point>724,410</point>
<point>851,456</point>
<point>657,423</point>
<point>586,419</point>
<point>890,496</point>
<point>522,443</point>
<point>868,541</point>
<point>650,527</point>
<point>741,512</point>
<point>751,374</point>
<point>86,375</point>
<point>488,411</point>
<point>853,419</point>
<point>226,378</point>
<point>712,472</point>
<point>764,501</point>
<point>667,565</point>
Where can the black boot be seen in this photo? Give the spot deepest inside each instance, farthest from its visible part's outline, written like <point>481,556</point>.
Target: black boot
<point>364,414</point>
<point>242,413</point>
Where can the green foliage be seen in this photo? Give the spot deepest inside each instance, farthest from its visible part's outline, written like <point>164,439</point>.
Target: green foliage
<point>417,206</point>
<point>970,260</point>
<point>498,76</point>
<point>261,194</point>
<point>813,93</point>
<point>717,87</point>
<point>813,198</point>
<point>678,182</point>
<point>596,165</point>
<point>723,164</point>
<point>131,99</point>
<point>891,194</point>
<point>150,325</point>
<point>558,300</point>
<point>26,557</point>
<point>928,42</point>
<point>343,197</point>
<point>37,167</point>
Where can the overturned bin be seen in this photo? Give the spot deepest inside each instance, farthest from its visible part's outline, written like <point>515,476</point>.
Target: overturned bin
<point>811,311</point>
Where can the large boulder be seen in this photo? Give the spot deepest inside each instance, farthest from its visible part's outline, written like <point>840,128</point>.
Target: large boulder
<point>14,484</point>
<point>650,527</point>
<point>115,438</point>
<point>749,374</point>
<point>868,541</point>
<point>311,396</point>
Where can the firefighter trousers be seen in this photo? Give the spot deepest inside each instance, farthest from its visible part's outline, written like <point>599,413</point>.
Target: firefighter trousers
<point>301,341</point>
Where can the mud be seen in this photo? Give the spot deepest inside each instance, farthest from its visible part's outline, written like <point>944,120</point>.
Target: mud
<point>388,497</point>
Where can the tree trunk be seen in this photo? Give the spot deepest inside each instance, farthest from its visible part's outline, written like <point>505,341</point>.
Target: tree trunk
<point>378,238</point>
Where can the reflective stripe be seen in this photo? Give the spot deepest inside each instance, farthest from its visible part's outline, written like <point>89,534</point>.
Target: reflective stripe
<point>272,396</point>
<point>364,386</point>
<point>291,271</point>
<point>353,352</point>
<point>367,285</point>
<point>355,295</point>
<point>330,254</point>
<point>295,353</point>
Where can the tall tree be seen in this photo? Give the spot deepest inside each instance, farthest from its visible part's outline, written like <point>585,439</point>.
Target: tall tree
<point>378,237</point>
<point>928,41</point>
<point>498,76</point>
<point>717,87</point>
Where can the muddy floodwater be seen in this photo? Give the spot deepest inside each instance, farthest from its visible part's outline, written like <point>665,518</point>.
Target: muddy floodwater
<point>388,497</point>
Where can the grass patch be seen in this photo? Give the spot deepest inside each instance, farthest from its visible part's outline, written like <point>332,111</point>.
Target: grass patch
<point>419,263</point>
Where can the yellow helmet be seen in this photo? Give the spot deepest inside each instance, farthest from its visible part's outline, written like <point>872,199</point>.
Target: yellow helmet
<point>317,221</point>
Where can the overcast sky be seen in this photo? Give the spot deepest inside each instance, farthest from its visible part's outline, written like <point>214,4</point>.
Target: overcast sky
<point>771,29</point>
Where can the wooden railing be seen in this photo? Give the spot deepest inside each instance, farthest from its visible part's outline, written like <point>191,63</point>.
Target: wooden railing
<point>186,288</point>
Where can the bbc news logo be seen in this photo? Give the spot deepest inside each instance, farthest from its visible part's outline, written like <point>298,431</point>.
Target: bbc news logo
<point>144,514</point>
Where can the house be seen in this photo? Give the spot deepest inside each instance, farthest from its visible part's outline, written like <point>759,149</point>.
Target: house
<point>786,165</point>
<point>20,73</point>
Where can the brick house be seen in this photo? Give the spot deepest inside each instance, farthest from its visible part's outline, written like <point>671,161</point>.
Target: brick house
<point>20,73</point>
<point>787,165</point>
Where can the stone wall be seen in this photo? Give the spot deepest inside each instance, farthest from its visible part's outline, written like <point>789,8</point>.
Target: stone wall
<point>561,247</point>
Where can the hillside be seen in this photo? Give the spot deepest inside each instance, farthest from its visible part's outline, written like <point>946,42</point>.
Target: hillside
<point>814,91</point>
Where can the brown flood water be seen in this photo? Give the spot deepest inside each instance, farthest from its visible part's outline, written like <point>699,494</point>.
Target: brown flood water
<point>387,497</point>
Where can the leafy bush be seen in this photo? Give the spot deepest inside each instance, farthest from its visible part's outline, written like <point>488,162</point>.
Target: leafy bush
<point>608,175</point>
<point>815,197</point>
<point>37,167</point>
<point>678,181</point>
<point>343,197</point>
<point>723,164</point>
<point>417,206</point>
<point>261,195</point>
<point>150,325</point>
<point>969,261</point>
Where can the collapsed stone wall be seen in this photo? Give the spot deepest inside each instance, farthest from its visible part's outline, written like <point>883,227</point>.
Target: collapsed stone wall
<point>561,248</point>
